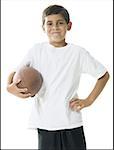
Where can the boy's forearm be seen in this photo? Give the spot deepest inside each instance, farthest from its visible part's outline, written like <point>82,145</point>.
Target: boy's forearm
<point>100,84</point>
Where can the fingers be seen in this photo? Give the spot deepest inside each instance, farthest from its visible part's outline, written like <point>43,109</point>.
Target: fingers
<point>20,90</point>
<point>24,95</point>
<point>76,105</point>
<point>73,102</point>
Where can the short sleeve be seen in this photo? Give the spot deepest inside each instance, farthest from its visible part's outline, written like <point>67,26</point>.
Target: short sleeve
<point>91,66</point>
<point>27,59</point>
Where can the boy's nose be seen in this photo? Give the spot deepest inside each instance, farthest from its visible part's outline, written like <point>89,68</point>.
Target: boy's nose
<point>55,26</point>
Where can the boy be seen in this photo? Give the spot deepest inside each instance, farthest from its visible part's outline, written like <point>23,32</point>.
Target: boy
<point>56,112</point>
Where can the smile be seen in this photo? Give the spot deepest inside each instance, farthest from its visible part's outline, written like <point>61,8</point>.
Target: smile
<point>56,33</point>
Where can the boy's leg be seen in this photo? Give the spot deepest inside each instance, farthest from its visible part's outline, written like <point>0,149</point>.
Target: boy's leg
<point>73,139</point>
<point>49,140</point>
<point>69,139</point>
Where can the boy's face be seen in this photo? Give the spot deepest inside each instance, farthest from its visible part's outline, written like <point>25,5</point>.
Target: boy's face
<point>55,27</point>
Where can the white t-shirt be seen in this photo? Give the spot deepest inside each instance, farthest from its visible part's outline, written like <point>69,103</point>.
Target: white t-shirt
<point>61,69</point>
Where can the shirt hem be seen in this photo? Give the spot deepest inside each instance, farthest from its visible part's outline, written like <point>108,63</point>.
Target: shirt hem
<point>56,128</point>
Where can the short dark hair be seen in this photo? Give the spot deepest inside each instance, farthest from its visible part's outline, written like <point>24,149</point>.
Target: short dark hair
<point>55,9</point>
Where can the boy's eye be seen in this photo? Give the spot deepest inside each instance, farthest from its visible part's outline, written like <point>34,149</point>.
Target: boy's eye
<point>57,23</point>
<point>49,23</point>
<point>61,23</point>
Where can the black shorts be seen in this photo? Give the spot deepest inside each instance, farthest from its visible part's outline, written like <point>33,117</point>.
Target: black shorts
<point>68,139</point>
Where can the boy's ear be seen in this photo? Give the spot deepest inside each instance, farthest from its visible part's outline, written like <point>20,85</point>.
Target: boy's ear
<point>69,25</point>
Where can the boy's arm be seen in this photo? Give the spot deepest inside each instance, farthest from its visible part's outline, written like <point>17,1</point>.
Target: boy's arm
<point>78,104</point>
<point>13,89</point>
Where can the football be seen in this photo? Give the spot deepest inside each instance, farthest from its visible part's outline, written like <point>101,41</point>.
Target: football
<point>30,79</point>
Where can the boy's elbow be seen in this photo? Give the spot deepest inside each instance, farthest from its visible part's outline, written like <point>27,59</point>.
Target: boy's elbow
<point>107,75</point>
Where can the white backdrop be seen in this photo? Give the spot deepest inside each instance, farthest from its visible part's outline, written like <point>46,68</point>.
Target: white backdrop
<point>21,29</point>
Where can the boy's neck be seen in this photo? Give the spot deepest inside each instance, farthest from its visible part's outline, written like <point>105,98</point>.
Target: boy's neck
<point>58,44</point>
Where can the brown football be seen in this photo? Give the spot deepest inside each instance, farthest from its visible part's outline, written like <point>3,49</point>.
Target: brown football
<point>30,79</point>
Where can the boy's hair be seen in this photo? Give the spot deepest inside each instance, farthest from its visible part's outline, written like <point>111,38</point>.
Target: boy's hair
<point>55,9</point>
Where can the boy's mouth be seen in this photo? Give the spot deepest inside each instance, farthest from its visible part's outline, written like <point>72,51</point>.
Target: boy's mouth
<point>55,32</point>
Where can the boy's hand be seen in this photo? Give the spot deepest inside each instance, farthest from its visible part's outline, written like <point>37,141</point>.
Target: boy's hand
<point>78,104</point>
<point>13,89</point>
